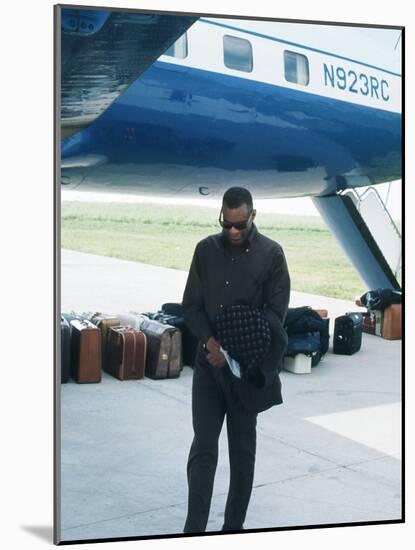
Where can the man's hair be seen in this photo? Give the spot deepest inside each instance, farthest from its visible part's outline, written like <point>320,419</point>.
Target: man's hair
<point>235,197</point>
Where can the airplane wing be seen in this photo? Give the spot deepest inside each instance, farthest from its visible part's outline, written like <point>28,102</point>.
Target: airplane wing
<point>103,52</point>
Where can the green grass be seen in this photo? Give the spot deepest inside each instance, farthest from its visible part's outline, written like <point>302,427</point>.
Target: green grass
<point>166,236</point>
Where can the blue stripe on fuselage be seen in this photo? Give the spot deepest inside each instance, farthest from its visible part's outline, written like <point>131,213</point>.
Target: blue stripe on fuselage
<point>175,115</point>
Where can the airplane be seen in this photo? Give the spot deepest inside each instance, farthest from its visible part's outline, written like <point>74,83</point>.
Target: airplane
<point>188,105</point>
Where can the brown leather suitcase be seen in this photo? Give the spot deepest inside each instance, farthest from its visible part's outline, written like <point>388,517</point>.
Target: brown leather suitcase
<point>85,352</point>
<point>104,322</point>
<point>392,322</point>
<point>126,348</point>
<point>164,351</point>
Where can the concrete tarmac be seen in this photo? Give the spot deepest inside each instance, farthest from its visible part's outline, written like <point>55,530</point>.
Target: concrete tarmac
<point>330,454</point>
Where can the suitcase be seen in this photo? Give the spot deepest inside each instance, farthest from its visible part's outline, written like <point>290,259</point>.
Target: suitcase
<point>369,323</point>
<point>104,322</point>
<point>72,316</point>
<point>163,318</point>
<point>177,321</point>
<point>378,322</point>
<point>299,364</point>
<point>68,317</point>
<point>392,322</point>
<point>85,352</point>
<point>347,337</point>
<point>164,353</point>
<point>126,348</point>
<point>65,350</point>
<point>189,340</point>
<point>131,319</point>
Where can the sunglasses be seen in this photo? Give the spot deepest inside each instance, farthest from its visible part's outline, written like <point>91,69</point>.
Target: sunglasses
<point>238,226</point>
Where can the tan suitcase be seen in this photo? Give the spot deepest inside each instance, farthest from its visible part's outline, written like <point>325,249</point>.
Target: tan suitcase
<point>392,322</point>
<point>126,349</point>
<point>85,352</point>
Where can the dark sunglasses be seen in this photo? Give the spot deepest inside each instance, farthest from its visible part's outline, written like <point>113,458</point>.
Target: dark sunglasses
<point>238,226</point>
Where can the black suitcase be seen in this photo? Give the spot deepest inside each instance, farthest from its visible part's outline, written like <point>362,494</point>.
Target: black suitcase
<point>347,338</point>
<point>65,350</point>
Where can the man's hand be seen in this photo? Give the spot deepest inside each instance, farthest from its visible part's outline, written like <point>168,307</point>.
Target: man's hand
<point>212,345</point>
<point>215,356</point>
<point>216,360</point>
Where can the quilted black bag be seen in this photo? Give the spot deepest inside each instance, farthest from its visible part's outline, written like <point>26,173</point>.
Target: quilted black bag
<point>245,333</point>
<point>381,298</point>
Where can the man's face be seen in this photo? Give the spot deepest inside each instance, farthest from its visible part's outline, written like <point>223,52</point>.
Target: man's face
<point>238,216</point>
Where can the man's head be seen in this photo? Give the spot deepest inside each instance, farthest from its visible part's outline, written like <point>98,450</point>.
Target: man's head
<point>237,214</point>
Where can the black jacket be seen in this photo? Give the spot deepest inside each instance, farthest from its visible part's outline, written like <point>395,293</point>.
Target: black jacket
<point>255,274</point>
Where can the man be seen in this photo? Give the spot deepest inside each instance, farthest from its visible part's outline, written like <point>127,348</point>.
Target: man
<point>236,266</point>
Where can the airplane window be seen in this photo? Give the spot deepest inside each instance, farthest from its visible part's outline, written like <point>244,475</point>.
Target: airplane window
<point>237,53</point>
<point>178,48</point>
<point>296,68</point>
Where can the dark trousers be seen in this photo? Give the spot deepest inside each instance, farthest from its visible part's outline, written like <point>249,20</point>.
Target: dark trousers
<point>212,399</point>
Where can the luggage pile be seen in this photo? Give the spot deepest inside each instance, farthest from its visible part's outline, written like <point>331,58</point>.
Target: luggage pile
<point>383,316</point>
<point>308,329</point>
<point>127,346</point>
<point>131,346</point>
<point>308,338</point>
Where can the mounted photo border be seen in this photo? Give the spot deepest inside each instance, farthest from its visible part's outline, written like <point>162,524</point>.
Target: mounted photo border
<point>57,269</point>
